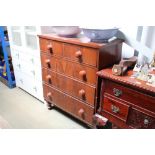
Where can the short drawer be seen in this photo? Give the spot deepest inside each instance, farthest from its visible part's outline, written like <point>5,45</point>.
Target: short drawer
<point>69,104</point>
<point>140,120</point>
<point>129,95</point>
<point>73,87</point>
<point>115,108</point>
<point>48,62</point>
<point>81,54</point>
<point>51,47</point>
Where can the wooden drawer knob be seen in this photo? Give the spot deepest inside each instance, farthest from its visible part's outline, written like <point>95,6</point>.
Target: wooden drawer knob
<point>82,74</point>
<point>82,93</point>
<point>81,113</point>
<point>49,96</point>
<point>47,61</point>
<point>48,78</point>
<point>78,54</point>
<point>49,47</point>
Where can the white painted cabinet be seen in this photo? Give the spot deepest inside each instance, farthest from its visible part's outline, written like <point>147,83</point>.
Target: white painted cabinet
<point>25,53</point>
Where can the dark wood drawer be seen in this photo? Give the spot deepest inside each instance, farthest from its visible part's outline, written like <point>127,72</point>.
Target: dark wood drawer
<point>75,70</point>
<point>140,120</point>
<point>115,107</point>
<point>51,47</point>
<point>73,87</point>
<point>81,54</point>
<point>129,95</point>
<point>69,104</point>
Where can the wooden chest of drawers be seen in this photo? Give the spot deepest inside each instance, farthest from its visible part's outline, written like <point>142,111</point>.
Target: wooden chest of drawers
<point>69,73</point>
<point>127,102</point>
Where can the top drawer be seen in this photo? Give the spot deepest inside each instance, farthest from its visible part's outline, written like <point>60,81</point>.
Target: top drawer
<point>51,47</point>
<point>129,95</point>
<point>81,54</point>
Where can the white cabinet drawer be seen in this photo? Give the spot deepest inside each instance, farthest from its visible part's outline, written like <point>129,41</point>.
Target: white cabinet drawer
<point>30,85</point>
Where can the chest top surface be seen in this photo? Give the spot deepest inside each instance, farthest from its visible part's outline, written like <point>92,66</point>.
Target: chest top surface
<point>76,41</point>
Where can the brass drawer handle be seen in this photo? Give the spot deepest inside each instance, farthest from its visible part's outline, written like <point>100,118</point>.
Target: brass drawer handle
<point>115,109</point>
<point>78,54</point>
<point>117,92</point>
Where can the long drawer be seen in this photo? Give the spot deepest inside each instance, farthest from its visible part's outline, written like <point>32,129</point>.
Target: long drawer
<point>69,104</point>
<point>73,87</point>
<point>129,95</point>
<point>75,70</point>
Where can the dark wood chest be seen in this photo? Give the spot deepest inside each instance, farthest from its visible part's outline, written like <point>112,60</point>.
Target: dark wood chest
<point>69,69</point>
<point>126,101</point>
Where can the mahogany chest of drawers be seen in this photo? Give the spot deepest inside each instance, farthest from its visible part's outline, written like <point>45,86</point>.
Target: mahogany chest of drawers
<point>69,69</point>
<point>126,101</point>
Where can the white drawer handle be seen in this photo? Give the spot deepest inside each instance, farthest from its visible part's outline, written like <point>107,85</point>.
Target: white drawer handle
<point>33,72</point>
<point>35,89</point>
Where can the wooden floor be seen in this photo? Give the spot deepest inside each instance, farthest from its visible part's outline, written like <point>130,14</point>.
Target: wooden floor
<point>19,110</point>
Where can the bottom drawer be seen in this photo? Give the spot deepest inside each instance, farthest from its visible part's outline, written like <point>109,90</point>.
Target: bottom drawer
<point>69,104</point>
<point>139,120</point>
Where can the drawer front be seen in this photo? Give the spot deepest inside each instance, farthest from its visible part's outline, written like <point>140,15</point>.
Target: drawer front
<point>75,70</point>
<point>69,104</point>
<point>139,120</point>
<point>81,54</point>
<point>51,47</point>
<point>115,108</point>
<point>129,95</point>
<point>48,62</point>
<point>75,88</point>
<point>29,85</point>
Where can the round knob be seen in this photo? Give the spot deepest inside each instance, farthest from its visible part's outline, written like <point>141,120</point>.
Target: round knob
<point>82,93</point>
<point>49,46</point>
<point>49,96</point>
<point>82,73</point>
<point>48,77</point>
<point>47,61</point>
<point>81,113</point>
<point>78,54</point>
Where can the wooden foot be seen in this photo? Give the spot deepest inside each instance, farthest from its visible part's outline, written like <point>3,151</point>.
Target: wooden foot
<point>99,121</point>
<point>50,106</point>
